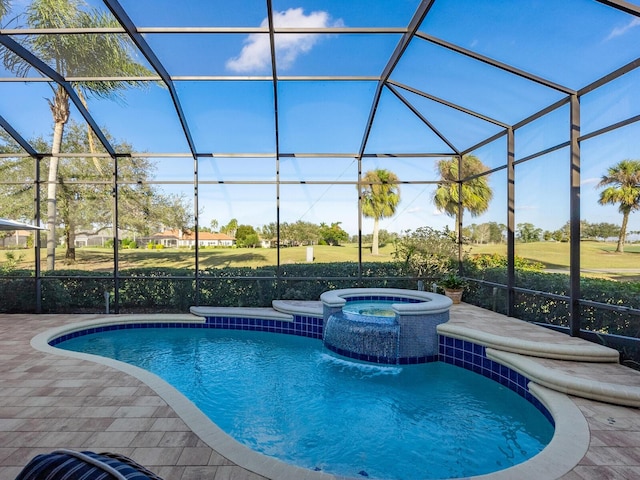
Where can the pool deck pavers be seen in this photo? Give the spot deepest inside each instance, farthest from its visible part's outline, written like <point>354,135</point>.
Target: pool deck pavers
<point>51,401</point>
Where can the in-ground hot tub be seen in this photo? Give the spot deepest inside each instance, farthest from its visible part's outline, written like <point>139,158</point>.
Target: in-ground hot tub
<point>384,325</point>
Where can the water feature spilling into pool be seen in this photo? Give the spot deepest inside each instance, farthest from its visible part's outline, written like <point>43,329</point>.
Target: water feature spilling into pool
<point>390,326</point>
<point>287,397</point>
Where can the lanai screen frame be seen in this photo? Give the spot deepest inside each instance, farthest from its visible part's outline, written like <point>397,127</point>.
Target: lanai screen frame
<point>384,82</point>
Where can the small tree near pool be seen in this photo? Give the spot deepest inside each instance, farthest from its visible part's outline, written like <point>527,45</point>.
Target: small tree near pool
<point>427,253</point>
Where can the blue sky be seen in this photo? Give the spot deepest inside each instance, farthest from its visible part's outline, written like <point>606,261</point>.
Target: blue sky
<point>572,42</point>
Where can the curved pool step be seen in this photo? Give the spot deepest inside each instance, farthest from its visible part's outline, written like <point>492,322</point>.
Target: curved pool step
<point>509,334</point>
<point>298,307</point>
<point>243,312</point>
<point>604,382</point>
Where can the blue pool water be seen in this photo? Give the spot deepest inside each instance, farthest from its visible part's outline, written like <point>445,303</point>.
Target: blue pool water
<point>286,397</point>
<point>379,308</point>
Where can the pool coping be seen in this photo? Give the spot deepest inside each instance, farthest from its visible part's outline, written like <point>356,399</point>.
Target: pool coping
<point>580,352</point>
<point>425,302</point>
<point>567,447</point>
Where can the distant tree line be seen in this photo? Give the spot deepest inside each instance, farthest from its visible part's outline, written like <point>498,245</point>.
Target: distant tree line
<point>495,233</point>
<point>290,235</point>
<point>527,232</point>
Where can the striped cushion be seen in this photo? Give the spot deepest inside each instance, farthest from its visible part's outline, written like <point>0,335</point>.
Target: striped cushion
<point>72,465</point>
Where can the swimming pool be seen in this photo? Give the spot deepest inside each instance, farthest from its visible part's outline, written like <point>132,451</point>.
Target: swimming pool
<point>308,384</point>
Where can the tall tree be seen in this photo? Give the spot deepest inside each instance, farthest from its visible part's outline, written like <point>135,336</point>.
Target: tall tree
<point>476,192</point>
<point>380,198</point>
<point>246,236</point>
<point>17,174</point>
<point>333,234</point>
<point>5,6</point>
<point>528,232</point>
<point>622,183</point>
<point>85,196</point>
<point>99,55</point>
<point>230,228</point>
<point>496,232</point>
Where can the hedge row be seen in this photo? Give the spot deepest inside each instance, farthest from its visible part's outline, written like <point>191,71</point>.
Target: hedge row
<point>538,308</point>
<point>175,290</point>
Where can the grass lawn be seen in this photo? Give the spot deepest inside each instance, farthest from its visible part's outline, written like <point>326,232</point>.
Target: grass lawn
<point>101,259</point>
<point>597,258</point>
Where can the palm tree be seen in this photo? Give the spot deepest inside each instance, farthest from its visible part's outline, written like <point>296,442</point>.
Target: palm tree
<point>5,6</point>
<point>380,197</point>
<point>623,187</point>
<point>476,192</point>
<point>73,56</point>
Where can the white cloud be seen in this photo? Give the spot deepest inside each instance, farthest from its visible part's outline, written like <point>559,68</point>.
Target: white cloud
<point>618,31</point>
<point>256,53</point>
<point>590,181</point>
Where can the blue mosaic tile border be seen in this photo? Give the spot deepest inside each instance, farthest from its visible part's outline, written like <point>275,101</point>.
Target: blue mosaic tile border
<point>381,298</point>
<point>122,326</point>
<point>305,326</point>
<point>417,360</point>
<point>359,356</point>
<point>472,356</point>
<point>302,325</point>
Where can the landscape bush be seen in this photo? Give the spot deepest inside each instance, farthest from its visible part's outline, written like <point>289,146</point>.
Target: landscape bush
<point>540,307</point>
<point>496,260</point>
<point>427,252</point>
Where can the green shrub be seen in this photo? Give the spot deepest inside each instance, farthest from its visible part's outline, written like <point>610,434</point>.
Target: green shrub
<point>129,243</point>
<point>74,291</point>
<point>156,290</point>
<point>18,292</point>
<point>426,252</point>
<point>10,263</point>
<point>496,260</point>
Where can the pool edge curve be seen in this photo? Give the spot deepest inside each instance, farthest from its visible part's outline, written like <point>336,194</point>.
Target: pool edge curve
<point>566,448</point>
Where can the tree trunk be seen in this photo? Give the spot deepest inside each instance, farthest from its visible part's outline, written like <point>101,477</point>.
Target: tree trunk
<point>374,241</point>
<point>92,143</point>
<point>60,110</point>
<point>70,234</point>
<point>52,188</point>
<point>457,232</point>
<point>623,233</point>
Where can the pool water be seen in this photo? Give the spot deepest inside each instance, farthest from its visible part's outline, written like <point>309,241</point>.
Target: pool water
<point>379,308</point>
<point>284,396</point>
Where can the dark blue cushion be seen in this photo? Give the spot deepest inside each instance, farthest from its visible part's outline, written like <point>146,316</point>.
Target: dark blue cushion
<point>72,465</point>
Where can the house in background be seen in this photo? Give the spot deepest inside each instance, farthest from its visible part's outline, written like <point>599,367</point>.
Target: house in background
<point>269,243</point>
<point>178,238</point>
<point>15,238</point>
<point>97,240</point>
